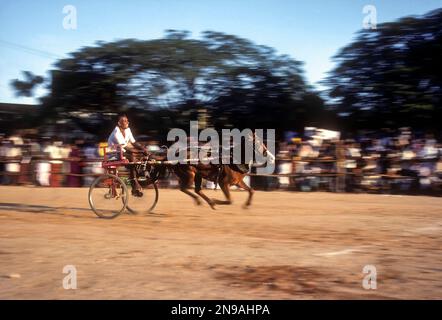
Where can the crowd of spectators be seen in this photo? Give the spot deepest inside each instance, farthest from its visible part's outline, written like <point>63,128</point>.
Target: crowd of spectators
<point>398,161</point>
<point>48,161</point>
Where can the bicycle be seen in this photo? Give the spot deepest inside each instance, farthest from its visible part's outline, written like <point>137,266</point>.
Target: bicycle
<point>109,194</point>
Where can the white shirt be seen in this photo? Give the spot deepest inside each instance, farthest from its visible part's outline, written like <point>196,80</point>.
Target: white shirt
<point>54,152</point>
<point>116,138</point>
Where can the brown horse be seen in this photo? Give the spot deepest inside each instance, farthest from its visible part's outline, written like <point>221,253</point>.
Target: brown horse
<point>226,175</point>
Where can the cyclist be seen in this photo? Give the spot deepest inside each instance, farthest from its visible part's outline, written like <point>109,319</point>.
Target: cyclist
<point>122,137</point>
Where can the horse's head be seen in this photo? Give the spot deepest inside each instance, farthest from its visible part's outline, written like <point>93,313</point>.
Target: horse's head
<point>260,148</point>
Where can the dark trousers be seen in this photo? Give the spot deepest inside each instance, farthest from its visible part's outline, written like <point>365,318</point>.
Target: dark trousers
<point>133,155</point>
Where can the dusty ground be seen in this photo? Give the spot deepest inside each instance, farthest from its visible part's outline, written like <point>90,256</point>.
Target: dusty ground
<point>286,246</point>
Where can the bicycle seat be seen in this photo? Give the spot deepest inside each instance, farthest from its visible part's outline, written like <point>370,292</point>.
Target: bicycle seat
<point>113,156</point>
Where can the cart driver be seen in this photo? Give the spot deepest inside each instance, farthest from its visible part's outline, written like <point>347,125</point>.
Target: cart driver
<point>122,137</point>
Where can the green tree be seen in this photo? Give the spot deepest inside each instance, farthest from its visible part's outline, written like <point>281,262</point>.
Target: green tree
<point>26,87</point>
<point>391,76</point>
<point>166,82</point>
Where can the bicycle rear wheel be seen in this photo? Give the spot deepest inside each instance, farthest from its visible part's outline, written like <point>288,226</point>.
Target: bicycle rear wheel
<point>108,196</point>
<point>145,203</point>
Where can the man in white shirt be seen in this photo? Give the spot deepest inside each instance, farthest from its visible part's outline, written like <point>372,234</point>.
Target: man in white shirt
<point>122,137</point>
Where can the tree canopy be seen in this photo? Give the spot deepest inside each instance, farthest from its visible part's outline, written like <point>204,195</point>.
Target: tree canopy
<point>168,81</point>
<point>391,76</point>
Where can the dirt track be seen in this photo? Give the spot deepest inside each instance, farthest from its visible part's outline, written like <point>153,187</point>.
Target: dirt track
<point>286,246</point>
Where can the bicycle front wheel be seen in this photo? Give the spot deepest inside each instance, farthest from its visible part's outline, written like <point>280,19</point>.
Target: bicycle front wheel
<point>108,196</point>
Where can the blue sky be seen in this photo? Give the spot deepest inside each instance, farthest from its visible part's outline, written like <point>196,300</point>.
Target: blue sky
<point>311,31</point>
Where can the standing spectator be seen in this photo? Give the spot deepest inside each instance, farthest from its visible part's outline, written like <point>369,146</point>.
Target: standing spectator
<point>91,167</point>
<point>2,163</point>
<point>55,153</point>
<point>75,164</point>
<point>65,150</point>
<point>43,166</point>
<point>25,177</point>
<point>12,153</point>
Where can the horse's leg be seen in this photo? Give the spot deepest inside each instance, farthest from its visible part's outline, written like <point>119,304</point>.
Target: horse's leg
<point>198,190</point>
<point>224,184</point>
<point>225,189</point>
<point>243,185</point>
<point>185,179</point>
<point>194,196</point>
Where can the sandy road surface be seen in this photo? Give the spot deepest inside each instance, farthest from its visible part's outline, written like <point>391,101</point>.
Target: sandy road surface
<point>286,246</point>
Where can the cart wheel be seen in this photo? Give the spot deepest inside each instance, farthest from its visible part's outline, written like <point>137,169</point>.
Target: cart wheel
<point>108,196</point>
<point>147,202</point>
